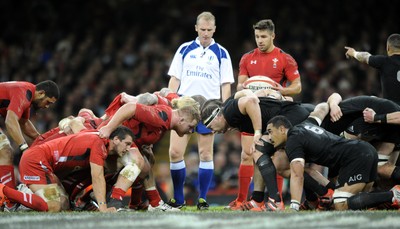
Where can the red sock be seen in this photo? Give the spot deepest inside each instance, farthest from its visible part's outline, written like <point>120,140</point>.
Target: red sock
<point>117,193</point>
<point>154,197</point>
<point>279,180</point>
<point>245,174</point>
<point>136,195</point>
<point>29,200</point>
<point>7,175</point>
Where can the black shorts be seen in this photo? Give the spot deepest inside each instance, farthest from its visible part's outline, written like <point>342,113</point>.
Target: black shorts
<point>361,168</point>
<point>377,131</point>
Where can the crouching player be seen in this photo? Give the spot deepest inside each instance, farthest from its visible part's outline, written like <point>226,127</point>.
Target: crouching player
<point>43,166</point>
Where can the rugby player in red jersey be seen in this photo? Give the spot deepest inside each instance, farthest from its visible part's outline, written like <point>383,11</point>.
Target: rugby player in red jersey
<point>271,61</point>
<point>16,100</point>
<point>149,123</point>
<point>43,166</point>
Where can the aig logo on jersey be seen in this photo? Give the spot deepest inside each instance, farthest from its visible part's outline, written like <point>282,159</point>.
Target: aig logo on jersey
<point>354,178</point>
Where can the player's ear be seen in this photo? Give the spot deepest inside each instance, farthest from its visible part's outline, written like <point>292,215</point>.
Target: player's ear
<point>195,28</point>
<point>40,94</point>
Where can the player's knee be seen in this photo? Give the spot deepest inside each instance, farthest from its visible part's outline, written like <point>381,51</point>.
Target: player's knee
<point>130,171</point>
<point>206,155</point>
<point>340,199</point>
<point>175,155</point>
<point>6,151</point>
<point>246,155</point>
<point>55,197</point>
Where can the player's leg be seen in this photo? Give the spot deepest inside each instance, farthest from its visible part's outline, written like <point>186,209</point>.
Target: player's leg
<point>7,176</point>
<point>206,167</point>
<point>155,201</point>
<point>134,165</point>
<point>177,150</point>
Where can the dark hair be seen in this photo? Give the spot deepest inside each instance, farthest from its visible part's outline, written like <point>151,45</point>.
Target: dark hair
<point>394,41</point>
<point>121,132</point>
<point>280,120</point>
<point>208,107</point>
<point>50,88</point>
<point>200,99</point>
<point>265,24</point>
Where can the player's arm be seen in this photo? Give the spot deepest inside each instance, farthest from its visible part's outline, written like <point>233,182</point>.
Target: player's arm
<point>174,83</point>
<point>28,128</point>
<point>296,182</point>
<point>335,111</point>
<point>249,105</point>
<point>363,57</point>
<point>14,128</point>
<point>76,125</point>
<point>225,91</point>
<point>370,116</point>
<point>125,112</point>
<point>241,80</point>
<point>99,187</point>
<point>293,89</point>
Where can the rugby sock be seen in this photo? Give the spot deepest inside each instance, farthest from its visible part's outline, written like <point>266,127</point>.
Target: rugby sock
<point>366,200</point>
<point>136,195</point>
<point>7,176</point>
<point>117,193</point>
<point>32,201</point>
<point>313,185</point>
<point>279,181</point>
<point>154,196</point>
<point>245,174</point>
<point>178,175</point>
<point>206,171</point>
<point>396,175</point>
<point>268,171</point>
<point>257,196</point>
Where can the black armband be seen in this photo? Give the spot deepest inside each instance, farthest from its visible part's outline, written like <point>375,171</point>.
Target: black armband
<point>380,117</point>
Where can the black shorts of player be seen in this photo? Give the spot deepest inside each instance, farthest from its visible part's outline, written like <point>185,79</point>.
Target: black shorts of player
<point>375,132</point>
<point>360,167</point>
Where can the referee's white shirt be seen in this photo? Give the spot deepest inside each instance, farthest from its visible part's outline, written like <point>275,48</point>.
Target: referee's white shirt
<point>201,70</point>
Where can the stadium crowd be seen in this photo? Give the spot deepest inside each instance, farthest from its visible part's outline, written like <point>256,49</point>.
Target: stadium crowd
<point>96,50</point>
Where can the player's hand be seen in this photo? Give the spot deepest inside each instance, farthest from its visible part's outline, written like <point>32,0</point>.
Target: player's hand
<point>104,132</point>
<point>105,209</point>
<point>369,115</point>
<point>125,98</point>
<point>335,113</point>
<point>256,141</point>
<point>350,52</point>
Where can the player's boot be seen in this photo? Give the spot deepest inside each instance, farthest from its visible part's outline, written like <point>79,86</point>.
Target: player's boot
<point>202,205</point>
<point>252,205</point>
<point>235,205</point>
<point>326,201</point>
<point>3,198</point>
<point>162,207</point>
<point>396,196</point>
<point>308,205</point>
<point>172,203</point>
<point>272,205</point>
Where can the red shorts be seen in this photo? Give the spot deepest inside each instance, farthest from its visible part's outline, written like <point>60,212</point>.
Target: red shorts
<point>35,169</point>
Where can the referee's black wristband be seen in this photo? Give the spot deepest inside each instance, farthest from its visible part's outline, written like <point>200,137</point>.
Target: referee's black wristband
<point>380,117</point>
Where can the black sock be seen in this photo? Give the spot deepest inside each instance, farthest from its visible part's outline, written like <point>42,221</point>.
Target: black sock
<point>310,195</point>
<point>365,200</point>
<point>331,185</point>
<point>257,196</point>
<point>313,185</point>
<point>268,173</point>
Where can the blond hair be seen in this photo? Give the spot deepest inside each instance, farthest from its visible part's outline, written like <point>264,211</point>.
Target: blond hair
<point>184,101</point>
<point>191,112</point>
<point>207,16</point>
